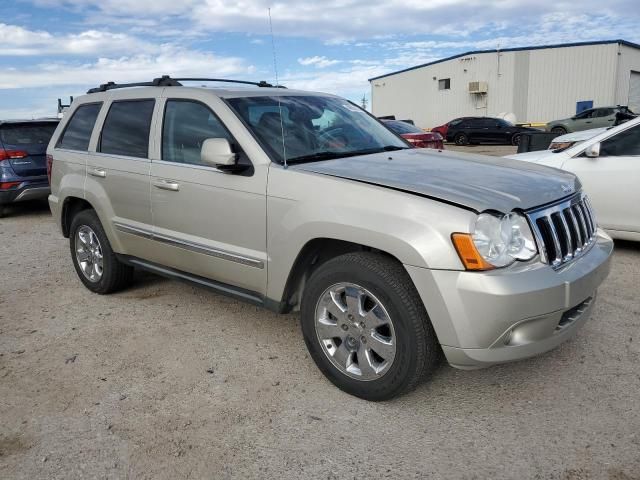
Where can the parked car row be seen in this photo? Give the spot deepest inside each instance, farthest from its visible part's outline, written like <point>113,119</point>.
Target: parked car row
<point>489,130</point>
<point>302,201</point>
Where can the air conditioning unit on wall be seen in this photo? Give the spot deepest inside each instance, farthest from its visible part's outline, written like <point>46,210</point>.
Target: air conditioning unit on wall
<point>478,87</point>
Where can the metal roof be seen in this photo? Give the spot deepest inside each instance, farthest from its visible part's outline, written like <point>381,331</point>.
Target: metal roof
<point>516,49</point>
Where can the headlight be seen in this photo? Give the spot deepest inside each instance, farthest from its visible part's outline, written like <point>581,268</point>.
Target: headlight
<point>503,240</point>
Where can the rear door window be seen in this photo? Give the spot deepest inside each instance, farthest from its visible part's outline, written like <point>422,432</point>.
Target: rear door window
<point>126,128</point>
<point>77,133</point>
<point>603,112</point>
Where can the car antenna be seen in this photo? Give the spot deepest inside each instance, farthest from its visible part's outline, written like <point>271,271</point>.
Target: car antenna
<point>275,70</point>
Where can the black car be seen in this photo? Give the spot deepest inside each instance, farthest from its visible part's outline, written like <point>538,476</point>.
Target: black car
<point>463,131</point>
<point>23,164</point>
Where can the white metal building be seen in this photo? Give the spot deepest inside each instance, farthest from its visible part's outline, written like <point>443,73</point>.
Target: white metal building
<point>536,84</point>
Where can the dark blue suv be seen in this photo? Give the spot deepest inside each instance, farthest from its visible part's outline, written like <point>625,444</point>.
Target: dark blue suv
<point>23,163</point>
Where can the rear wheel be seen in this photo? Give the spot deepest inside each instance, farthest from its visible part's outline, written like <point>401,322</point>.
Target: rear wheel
<point>366,328</point>
<point>93,258</point>
<point>559,130</point>
<point>3,211</point>
<point>461,139</point>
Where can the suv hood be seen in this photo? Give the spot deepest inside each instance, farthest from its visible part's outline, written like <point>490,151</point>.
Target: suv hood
<point>476,182</point>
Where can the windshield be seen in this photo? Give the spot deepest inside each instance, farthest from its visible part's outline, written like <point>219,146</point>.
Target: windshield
<point>314,127</point>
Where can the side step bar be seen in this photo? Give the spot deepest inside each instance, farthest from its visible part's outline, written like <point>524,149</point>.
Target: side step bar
<point>218,287</point>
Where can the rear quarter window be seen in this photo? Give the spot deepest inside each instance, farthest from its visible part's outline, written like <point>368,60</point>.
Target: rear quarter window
<point>77,133</point>
<point>126,128</point>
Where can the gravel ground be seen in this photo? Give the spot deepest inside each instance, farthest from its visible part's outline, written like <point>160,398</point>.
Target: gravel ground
<point>168,381</point>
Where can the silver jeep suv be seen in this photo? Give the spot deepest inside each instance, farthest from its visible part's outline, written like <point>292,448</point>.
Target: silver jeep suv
<point>297,200</point>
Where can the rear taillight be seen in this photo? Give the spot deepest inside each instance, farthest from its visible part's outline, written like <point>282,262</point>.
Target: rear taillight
<point>8,185</point>
<point>11,154</point>
<point>49,166</point>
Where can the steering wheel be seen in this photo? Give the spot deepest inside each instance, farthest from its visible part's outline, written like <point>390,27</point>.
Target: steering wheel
<point>333,138</point>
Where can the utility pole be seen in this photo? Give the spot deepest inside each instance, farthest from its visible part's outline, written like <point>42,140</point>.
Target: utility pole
<point>364,101</point>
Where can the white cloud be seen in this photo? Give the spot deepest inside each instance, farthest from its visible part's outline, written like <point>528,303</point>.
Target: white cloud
<point>350,82</point>
<point>171,61</point>
<point>18,41</point>
<point>333,21</point>
<point>317,61</point>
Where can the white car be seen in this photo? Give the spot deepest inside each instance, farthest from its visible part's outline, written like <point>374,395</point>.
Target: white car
<point>608,165</point>
<point>570,139</point>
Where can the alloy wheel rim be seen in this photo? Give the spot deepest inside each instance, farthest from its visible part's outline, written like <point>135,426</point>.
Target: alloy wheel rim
<point>89,254</point>
<point>355,331</point>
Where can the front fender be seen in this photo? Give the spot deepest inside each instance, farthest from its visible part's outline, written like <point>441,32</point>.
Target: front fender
<point>304,206</point>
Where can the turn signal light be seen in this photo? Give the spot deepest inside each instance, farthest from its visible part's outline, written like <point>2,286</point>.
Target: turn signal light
<point>468,253</point>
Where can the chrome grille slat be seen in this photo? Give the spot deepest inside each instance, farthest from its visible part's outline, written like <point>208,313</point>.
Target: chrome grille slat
<point>556,241</point>
<point>568,236</point>
<point>579,236</point>
<point>583,225</point>
<point>587,204</point>
<point>564,231</point>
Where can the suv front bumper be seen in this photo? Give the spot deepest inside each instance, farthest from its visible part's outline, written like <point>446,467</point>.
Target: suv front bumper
<point>484,318</point>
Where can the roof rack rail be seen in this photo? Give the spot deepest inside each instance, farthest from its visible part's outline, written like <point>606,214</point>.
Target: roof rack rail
<point>167,81</point>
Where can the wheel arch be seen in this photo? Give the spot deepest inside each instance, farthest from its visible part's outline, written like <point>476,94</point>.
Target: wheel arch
<point>70,208</point>
<point>313,254</point>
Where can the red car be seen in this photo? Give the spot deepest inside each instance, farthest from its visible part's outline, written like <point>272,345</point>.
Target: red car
<point>417,137</point>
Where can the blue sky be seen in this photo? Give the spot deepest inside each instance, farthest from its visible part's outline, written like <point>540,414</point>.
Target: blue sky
<point>57,48</point>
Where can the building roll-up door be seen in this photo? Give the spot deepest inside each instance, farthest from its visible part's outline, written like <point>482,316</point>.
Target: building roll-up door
<point>634,92</point>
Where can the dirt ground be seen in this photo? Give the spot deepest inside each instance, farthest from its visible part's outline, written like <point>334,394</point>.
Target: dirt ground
<point>168,381</point>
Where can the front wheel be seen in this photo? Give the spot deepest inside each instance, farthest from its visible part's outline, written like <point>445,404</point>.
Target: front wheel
<point>93,258</point>
<point>558,130</point>
<point>515,140</point>
<point>366,328</point>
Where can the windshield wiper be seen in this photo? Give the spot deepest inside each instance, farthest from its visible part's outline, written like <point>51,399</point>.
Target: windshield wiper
<point>328,155</point>
<point>392,148</point>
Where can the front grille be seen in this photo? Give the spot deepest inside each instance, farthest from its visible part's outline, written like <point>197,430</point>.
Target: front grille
<point>564,231</point>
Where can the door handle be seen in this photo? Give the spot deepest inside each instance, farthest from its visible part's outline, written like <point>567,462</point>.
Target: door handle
<point>98,172</point>
<point>167,185</point>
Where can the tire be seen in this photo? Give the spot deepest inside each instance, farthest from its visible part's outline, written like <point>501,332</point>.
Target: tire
<point>559,130</point>
<point>114,275</point>
<point>3,211</point>
<point>461,139</point>
<point>515,139</point>
<point>378,281</point>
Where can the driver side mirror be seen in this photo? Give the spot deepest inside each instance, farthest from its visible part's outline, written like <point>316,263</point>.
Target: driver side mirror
<point>593,151</point>
<point>216,152</point>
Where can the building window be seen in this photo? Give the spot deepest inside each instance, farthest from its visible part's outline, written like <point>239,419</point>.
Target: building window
<point>444,84</point>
